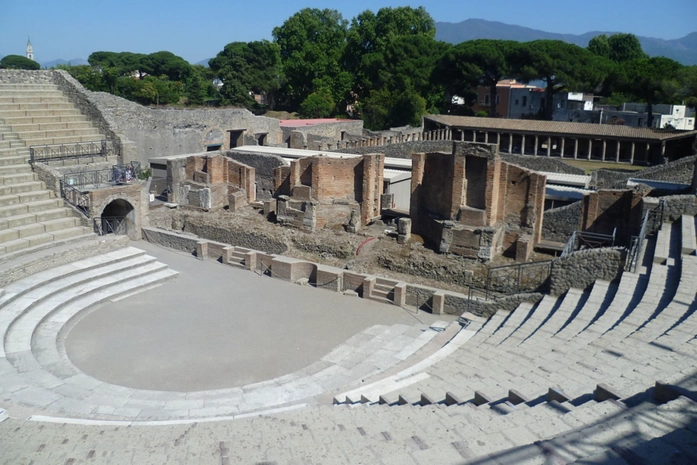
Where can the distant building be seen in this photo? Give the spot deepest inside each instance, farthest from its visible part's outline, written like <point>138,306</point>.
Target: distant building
<point>30,50</point>
<point>665,116</point>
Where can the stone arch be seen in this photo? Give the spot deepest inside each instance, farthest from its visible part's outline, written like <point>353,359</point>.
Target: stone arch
<point>119,217</point>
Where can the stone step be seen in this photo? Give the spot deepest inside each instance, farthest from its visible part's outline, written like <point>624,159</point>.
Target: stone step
<point>65,140</point>
<point>32,88</point>
<point>60,125</point>
<point>20,120</point>
<point>19,178</point>
<point>20,168</point>
<point>30,97</point>
<point>41,217</point>
<point>12,160</point>
<point>65,105</point>
<point>38,240</point>
<point>9,115</point>
<point>22,187</point>
<point>34,196</point>
<point>29,207</point>
<point>41,134</point>
<point>11,144</point>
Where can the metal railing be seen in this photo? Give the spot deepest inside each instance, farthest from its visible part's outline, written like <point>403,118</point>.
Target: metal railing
<point>104,226</point>
<point>56,152</point>
<point>75,187</point>
<point>588,240</point>
<point>117,174</point>
<point>650,224</point>
<point>521,277</point>
<point>77,198</point>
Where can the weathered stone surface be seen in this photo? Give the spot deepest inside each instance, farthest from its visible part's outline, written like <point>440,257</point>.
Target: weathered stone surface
<point>580,269</point>
<point>560,223</point>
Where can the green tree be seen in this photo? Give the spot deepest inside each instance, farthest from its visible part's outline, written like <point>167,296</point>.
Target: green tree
<point>18,62</point>
<point>562,66</point>
<point>371,34</point>
<point>165,64</point>
<point>311,46</point>
<point>199,85</point>
<point>652,80</point>
<point>688,85</point>
<point>124,63</point>
<point>617,47</point>
<point>318,104</point>
<point>86,75</point>
<point>248,67</point>
<point>482,62</point>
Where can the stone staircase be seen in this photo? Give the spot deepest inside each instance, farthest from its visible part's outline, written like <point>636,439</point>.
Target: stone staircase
<point>30,215</point>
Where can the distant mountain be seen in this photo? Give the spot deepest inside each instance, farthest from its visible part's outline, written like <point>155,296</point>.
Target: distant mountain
<point>204,62</point>
<point>683,50</point>
<point>60,61</point>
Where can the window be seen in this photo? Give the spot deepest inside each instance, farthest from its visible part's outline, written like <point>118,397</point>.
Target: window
<point>486,99</point>
<point>516,102</point>
<point>525,101</point>
<point>498,100</point>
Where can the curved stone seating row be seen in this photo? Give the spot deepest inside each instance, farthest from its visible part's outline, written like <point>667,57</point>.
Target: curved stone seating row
<point>623,344</point>
<point>544,433</point>
<point>37,312</point>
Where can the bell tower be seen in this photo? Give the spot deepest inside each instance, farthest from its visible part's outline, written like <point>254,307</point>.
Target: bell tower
<point>30,50</point>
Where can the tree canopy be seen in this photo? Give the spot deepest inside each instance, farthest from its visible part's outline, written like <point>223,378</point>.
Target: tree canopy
<point>18,62</point>
<point>311,45</point>
<point>248,67</point>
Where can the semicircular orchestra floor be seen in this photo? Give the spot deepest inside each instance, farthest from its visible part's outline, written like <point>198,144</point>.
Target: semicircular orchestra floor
<point>214,341</point>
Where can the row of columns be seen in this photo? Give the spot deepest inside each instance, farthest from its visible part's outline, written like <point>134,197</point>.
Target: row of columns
<point>631,148</point>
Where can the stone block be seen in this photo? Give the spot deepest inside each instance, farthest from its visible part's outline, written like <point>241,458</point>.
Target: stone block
<point>451,399</point>
<point>480,398</point>
<point>250,260</point>
<point>426,400</point>
<point>200,176</point>
<point>515,397</point>
<point>438,303</point>
<point>603,392</point>
<point>555,394</point>
<point>202,250</point>
<point>301,192</point>
<point>400,294</point>
<point>664,392</point>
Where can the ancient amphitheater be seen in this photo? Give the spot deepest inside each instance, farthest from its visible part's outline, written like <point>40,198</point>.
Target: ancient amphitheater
<point>604,374</point>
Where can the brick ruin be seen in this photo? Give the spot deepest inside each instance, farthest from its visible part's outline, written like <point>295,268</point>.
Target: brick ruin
<point>210,182</point>
<point>328,191</point>
<point>471,203</point>
<point>609,211</point>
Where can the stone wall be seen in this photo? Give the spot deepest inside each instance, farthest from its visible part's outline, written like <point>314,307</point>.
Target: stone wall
<point>580,269</point>
<point>678,205</point>
<point>131,201</point>
<point>80,97</point>
<point>264,165</point>
<point>609,210</point>
<point>560,223</point>
<point>471,203</point>
<point>541,164</point>
<point>403,149</point>
<point>321,136</point>
<point>680,171</point>
<point>91,248</point>
<point>487,308</point>
<point>332,187</point>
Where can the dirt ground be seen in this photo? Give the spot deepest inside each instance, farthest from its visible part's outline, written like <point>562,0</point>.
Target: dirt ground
<point>373,250</point>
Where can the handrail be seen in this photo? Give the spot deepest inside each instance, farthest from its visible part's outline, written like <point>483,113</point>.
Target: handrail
<point>651,223</point>
<point>56,152</point>
<point>77,198</point>
<point>109,225</point>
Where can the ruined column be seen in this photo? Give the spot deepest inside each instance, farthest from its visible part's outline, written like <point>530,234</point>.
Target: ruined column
<point>403,230</point>
<point>522,145</point>
<point>604,149</point>
<point>617,152</point>
<point>563,143</point>
<point>549,146</point>
<point>537,144</point>
<point>631,158</point>
<point>575,148</point>
<point>590,148</point>
<point>510,143</point>
<point>486,137</point>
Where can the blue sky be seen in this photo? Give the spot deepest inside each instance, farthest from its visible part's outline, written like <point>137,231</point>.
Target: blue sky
<point>198,30</point>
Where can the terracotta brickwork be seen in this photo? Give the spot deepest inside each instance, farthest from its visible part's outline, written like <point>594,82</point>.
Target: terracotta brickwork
<point>210,181</point>
<point>334,188</point>
<point>472,203</point>
<point>607,210</point>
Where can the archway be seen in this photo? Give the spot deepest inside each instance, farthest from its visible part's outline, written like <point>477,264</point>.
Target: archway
<point>118,217</point>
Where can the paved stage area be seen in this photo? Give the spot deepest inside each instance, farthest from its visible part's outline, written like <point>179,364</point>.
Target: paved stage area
<point>216,326</point>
